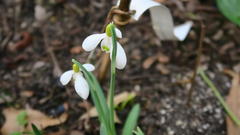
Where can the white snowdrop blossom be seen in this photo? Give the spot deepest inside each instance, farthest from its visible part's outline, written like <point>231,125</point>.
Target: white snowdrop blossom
<point>80,84</point>
<point>105,40</point>
<point>162,19</point>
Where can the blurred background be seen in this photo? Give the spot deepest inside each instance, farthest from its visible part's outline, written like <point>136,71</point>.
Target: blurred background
<point>34,53</point>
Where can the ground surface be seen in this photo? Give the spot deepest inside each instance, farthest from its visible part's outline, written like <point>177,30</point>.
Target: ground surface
<point>31,69</point>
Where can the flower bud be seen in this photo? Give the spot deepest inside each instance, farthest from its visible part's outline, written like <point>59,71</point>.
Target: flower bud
<point>75,68</point>
<point>108,30</point>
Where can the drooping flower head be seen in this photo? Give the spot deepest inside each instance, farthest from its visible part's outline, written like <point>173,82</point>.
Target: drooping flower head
<point>105,41</point>
<point>80,84</point>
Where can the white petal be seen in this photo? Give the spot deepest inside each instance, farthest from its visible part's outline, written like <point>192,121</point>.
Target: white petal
<point>92,41</point>
<point>66,77</point>
<point>141,6</point>
<point>107,41</point>
<point>118,33</point>
<point>89,67</point>
<point>181,31</point>
<point>81,86</point>
<point>121,58</point>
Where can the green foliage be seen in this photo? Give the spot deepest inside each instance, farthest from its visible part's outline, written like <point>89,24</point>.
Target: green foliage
<point>230,9</point>
<point>22,118</point>
<point>138,131</point>
<point>16,133</point>
<point>103,130</point>
<point>131,121</point>
<point>36,131</point>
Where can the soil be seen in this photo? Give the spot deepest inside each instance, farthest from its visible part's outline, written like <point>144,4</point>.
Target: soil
<point>31,68</point>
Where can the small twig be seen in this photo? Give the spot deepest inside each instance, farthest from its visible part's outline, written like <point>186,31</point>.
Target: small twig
<point>198,60</point>
<point>5,41</point>
<point>57,70</point>
<point>219,97</point>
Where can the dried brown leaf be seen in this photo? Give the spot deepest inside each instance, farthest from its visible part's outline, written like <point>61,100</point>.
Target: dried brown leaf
<point>163,69</point>
<point>33,116</point>
<point>234,103</point>
<point>149,61</point>
<point>60,132</point>
<point>26,93</point>
<point>76,50</point>
<point>160,1</point>
<point>163,58</point>
<point>159,57</point>
<point>75,132</point>
<point>117,100</point>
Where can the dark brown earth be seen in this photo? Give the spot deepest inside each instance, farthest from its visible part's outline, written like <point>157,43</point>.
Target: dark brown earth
<point>162,99</point>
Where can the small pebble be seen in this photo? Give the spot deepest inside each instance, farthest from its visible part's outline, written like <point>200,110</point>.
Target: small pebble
<point>170,131</point>
<point>179,123</point>
<point>163,112</point>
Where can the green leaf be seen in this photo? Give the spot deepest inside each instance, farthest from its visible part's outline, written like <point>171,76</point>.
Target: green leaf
<point>36,131</point>
<point>131,121</point>
<point>138,131</point>
<point>230,9</point>
<point>22,118</point>
<point>16,133</point>
<point>103,130</point>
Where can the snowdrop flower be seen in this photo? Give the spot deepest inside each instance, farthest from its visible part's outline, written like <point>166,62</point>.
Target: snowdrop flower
<point>162,19</point>
<point>91,42</point>
<point>80,84</point>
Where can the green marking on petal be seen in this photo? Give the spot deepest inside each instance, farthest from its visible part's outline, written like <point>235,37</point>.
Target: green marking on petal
<point>75,68</point>
<point>108,30</point>
<point>105,48</point>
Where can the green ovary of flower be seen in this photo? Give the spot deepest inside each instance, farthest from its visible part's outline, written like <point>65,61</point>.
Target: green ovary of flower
<point>108,30</point>
<point>105,48</point>
<point>75,68</point>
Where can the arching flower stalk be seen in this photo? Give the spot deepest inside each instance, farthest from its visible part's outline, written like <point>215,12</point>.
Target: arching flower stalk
<point>105,40</point>
<point>80,84</point>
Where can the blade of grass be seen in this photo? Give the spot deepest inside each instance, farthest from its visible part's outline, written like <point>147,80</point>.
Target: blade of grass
<point>219,97</point>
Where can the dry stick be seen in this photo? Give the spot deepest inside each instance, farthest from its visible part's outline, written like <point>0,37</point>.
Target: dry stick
<point>117,17</point>
<point>199,54</point>
<point>57,69</point>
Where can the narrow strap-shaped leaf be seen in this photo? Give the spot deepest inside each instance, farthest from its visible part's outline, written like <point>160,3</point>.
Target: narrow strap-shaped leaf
<point>131,121</point>
<point>219,96</point>
<point>35,130</point>
<point>103,130</point>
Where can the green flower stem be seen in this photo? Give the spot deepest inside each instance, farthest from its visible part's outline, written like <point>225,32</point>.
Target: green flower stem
<point>113,78</point>
<point>219,97</point>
